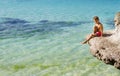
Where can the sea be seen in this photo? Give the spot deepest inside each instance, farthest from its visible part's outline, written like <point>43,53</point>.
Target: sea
<point>43,37</point>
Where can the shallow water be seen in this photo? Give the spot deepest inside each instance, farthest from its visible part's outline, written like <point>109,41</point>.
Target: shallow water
<point>42,37</point>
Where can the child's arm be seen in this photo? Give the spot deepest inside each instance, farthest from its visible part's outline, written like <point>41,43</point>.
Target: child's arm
<point>94,30</point>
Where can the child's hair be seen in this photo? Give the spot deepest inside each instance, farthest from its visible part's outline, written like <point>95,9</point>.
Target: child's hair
<point>96,18</point>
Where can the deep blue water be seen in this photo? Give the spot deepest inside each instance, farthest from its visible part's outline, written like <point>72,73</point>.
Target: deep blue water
<point>61,10</point>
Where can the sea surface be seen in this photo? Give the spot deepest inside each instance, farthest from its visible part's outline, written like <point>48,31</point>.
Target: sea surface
<point>42,37</point>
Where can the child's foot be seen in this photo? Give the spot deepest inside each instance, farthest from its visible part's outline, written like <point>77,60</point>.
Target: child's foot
<point>84,42</point>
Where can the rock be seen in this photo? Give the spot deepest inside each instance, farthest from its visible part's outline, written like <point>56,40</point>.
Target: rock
<point>107,48</point>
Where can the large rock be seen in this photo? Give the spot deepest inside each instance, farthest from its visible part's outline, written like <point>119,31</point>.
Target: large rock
<point>107,48</point>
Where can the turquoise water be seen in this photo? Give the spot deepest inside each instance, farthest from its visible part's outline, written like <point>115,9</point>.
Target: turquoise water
<point>42,37</point>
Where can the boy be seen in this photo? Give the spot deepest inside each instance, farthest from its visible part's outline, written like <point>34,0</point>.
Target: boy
<point>98,29</point>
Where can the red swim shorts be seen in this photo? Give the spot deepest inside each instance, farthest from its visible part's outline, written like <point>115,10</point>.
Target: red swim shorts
<point>98,34</point>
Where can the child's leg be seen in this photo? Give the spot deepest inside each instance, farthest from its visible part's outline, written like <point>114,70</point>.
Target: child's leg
<point>91,36</point>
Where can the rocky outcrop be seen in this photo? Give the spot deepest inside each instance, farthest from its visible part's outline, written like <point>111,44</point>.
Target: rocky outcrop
<point>107,48</point>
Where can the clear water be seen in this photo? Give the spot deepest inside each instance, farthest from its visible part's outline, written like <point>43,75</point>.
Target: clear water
<point>42,37</point>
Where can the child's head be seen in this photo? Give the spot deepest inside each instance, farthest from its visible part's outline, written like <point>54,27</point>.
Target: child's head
<point>96,19</point>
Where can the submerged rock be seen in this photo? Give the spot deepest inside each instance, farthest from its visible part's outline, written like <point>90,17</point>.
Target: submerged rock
<point>107,48</point>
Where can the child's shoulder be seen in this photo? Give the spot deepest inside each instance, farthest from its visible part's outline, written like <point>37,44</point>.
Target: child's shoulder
<point>100,24</point>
